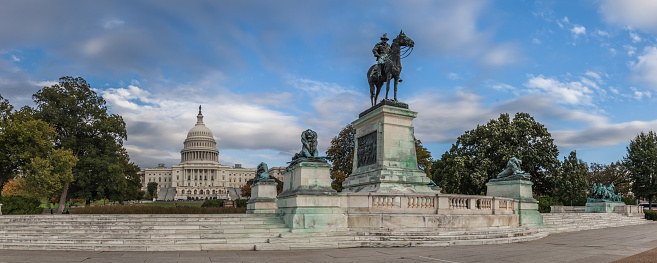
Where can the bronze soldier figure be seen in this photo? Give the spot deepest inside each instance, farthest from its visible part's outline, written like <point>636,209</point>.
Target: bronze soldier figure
<point>381,51</point>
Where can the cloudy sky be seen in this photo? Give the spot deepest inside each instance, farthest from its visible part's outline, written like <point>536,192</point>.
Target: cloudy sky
<point>264,71</point>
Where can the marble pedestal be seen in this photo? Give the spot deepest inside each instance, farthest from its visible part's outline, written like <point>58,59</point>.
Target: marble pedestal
<point>520,190</point>
<point>263,198</point>
<point>601,207</point>
<point>384,156</point>
<point>308,203</point>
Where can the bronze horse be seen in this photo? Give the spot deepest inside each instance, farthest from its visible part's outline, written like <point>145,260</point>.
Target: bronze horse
<point>391,68</point>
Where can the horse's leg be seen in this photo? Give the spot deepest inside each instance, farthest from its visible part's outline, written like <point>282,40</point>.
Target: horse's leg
<point>388,76</point>
<point>372,96</point>
<point>378,90</point>
<point>396,81</point>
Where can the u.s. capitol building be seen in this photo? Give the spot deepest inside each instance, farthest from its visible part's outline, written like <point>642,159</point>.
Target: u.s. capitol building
<point>199,173</point>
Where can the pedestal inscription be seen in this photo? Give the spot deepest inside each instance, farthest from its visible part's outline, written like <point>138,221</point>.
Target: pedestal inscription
<point>367,149</point>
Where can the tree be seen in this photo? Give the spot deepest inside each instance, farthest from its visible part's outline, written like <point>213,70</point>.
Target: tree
<point>480,154</point>
<point>424,159</point>
<point>641,162</point>
<point>13,187</point>
<point>151,188</point>
<point>607,174</point>
<point>27,153</point>
<point>95,137</point>
<point>133,180</point>
<point>570,182</point>
<point>341,156</point>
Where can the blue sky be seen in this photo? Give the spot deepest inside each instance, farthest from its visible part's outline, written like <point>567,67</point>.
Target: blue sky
<point>264,71</point>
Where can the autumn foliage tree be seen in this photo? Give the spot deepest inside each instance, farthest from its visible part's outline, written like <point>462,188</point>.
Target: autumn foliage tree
<point>27,155</point>
<point>341,156</point>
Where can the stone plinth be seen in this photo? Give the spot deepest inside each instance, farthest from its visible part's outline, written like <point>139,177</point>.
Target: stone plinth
<point>308,203</point>
<point>521,190</point>
<point>602,206</point>
<point>384,156</point>
<point>0,209</point>
<point>263,198</point>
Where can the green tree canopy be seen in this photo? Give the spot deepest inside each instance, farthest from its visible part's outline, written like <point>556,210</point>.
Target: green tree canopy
<point>570,180</point>
<point>480,154</point>
<point>26,152</point>
<point>641,162</point>
<point>151,188</point>
<point>95,137</point>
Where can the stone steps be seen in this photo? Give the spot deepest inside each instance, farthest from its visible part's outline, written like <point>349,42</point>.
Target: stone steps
<point>218,232</point>
<point>567,222</point>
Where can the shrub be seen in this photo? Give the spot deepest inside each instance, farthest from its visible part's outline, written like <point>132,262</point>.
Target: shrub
<point>147,209</point>
<point>544,203</point>
<point>651,214</point>
<point>241,202</point>
<point>18,205</point>
<point>628,200</point>
<point>213,203</point>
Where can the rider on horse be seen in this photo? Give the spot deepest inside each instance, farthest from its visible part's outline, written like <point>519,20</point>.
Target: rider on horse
<point>381,51</point>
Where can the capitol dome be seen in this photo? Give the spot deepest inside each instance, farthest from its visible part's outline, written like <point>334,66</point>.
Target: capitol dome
<point>200,145</point>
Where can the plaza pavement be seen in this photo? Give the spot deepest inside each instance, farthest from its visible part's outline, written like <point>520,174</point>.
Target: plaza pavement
<point>602,245</point>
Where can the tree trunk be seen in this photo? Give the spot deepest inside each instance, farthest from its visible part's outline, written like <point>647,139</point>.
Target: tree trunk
<point>62,199</point>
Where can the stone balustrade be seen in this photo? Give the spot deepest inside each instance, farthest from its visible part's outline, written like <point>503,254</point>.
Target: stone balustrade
<point>428,204</point>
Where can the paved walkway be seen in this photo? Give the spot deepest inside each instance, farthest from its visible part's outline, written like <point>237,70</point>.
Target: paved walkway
<point>601,245</point>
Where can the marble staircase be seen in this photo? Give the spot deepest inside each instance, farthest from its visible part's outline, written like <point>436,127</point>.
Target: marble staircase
<point>567,222</point>
<point>218,232</point>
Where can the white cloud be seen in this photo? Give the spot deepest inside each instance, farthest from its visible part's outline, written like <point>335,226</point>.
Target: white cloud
<point>334,105</point>
<point>635,37</point>
<point>602,33</point>
<point>536,41</point>
<point>612,51</point>
<point>15,59</point>
<point>631,13</point>
<point>594,75</point>
<point>113,23</point>
<point>631,50</point>
<point>453,75</point>
<point>574,93</point>
<point>645,68</point>
<point>578,30</point>
<point>503,87</point>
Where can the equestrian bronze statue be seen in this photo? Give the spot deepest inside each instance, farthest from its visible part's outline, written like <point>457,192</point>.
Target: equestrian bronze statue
<point>388,65</point>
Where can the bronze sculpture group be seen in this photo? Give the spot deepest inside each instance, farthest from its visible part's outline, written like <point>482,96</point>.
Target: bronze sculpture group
<point>601,193</point>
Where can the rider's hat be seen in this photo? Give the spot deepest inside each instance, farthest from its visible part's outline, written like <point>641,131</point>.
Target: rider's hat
<point>385,36</point>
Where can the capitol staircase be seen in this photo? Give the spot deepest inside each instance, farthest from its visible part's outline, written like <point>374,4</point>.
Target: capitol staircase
<point>218,232</point>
